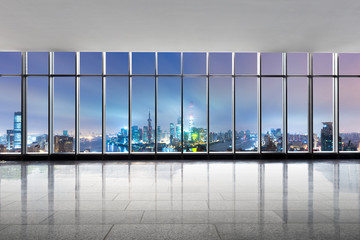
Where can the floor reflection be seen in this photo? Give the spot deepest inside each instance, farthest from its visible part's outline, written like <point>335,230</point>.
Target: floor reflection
<point>223,196</point>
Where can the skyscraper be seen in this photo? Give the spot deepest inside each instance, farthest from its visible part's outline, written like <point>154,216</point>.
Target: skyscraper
<point>14,135</point>
<point>17,130</point>
<point>149,135</point>
<point>326,138</point>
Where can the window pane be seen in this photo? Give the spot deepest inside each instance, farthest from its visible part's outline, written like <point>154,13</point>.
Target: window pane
<point>64,114</point>
<point>194,63</point>
<point>271,114</point>
<point>220,107</point>
<point>246,114</point>
<point>195,114</point>
<point>297,107</point>
<point>143,63</point>
<point>322,63</point>
<point>10,114</point>
<point>64,63</point>
<point>117,63</point>
<point>323,114</point>
<point>246,63</point>
<point>349,63</point>
<point>271,64</point>
<point>297,63</point>
<point>220,63</point>
<point>117,114</point>
<point>37,114</point>
<point>91,63</point>
<point>90,114</point>
<point>10,63</point>
<point>38,62</point>
<point>143,114</point>
<point>349,117</point>
<point>169,63</point>
<point>169,114</point>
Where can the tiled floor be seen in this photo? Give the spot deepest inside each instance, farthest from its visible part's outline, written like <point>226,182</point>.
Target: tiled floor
<point>180,200</point>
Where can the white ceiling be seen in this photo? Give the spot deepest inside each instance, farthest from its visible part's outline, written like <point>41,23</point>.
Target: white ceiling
<point>180,25</point>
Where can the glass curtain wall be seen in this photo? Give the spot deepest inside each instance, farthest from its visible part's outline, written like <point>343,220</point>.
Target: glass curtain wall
<point>195,83</point>
<point>323,102</point>
<point>171,102</point>
<point>246,102</point>
<point>272,121</point>
<point>10,97</point>
<point>37,102</point>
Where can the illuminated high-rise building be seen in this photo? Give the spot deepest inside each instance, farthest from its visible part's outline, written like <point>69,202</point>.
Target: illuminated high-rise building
<point>149,130</point>
<point>326,138</point>
<point>17,130</point>
<point>135,133</point>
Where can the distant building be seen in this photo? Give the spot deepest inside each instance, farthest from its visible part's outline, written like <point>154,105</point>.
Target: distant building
<point>14,135</point>
<point>326,137</point>
<point>63,144</point>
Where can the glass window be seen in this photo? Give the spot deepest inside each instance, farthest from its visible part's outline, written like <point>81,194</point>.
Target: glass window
<point>245,63</point>
<point>10,114</point>
<point>10,62</point>
<point>322,63</point>
<point>143,63</point>
<point>37,114</point>
<point>169,63</point>
<point>220,63</point>
<point>64,114</point>
<point>220,114</point>
<point>38,62</point>
<point>271,64</point>
<point>143,114</point>
<point>349,64</point>
<point>64,63</point>
<point>169,114</point>
<point>349,114</point>
<point>297,63</point>
<point>194,63</point>
<point>271,114</point>
<point>91,63</point>
<point>195,114</point>
<point>117,114</point>
<point>297,110</point>
<point>246,114</point>
<point>323,114</point>
<point>90,114</point>
<point>117,63</point>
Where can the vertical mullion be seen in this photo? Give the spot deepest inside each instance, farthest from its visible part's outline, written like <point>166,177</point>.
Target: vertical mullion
<point>285,107</point>
<point>182,106</point>
<point>103,103</point>
<point>51,104</point>
<point>23,102</point>
<point>77,102</point>
<point>234,105</point>
<point>259,135</point>
<point>336,103</point>
<point>207,101</point>
<point>129,105</point>
<point>310,104</point>
<point>156,96</point>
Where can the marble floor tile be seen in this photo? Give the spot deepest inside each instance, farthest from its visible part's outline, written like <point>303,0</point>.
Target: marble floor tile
<point>93,217</point>
<point>24,217</point>
<point>53,232</point>
<point>163,231</point>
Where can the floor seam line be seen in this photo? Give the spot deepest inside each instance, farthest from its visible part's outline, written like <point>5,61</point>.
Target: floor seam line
<point>142,216</point>
<point>108,231</point>
<point>217,231</point>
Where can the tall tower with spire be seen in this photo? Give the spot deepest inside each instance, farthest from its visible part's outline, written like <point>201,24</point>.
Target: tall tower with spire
<point>149,129</point>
